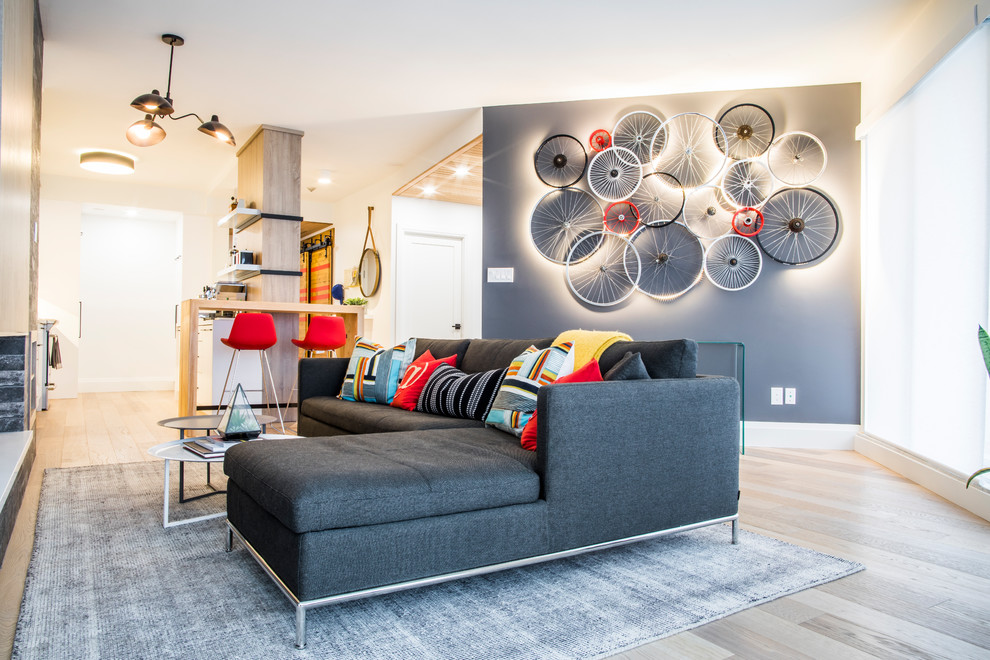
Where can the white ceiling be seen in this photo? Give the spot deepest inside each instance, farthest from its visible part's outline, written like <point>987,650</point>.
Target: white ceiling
<point>374,83</point>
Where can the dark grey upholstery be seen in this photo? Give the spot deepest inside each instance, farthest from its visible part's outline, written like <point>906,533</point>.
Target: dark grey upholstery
<point>332,515</point>
<point>441,348</point>
<point>363,417</point>
<point>676,358</point>
<point>488,354</point>
<point>383,478</point>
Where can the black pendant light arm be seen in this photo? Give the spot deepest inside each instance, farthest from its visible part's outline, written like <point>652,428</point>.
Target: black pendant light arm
<point>189,114</point>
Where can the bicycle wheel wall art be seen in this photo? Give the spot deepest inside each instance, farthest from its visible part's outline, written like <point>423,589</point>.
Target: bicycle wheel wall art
<point>660,205</point>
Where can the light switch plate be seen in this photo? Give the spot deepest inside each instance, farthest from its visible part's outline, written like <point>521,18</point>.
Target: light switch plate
<point>501,274</point>
<point>790,396</point>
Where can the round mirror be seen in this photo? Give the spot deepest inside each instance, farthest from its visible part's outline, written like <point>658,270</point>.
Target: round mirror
<point>369,272</point>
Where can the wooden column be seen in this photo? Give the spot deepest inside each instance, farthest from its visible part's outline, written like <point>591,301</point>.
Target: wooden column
<point>268,179</point>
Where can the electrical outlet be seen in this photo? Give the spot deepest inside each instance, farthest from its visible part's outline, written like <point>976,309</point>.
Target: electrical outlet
<point>776,396</point>
<point>790,396</point>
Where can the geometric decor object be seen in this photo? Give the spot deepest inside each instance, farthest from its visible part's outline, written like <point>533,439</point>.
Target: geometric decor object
<point>609,275</point>
<point>747,183</point>
<point>560,161</point>
<point>560,218</point>
<point>797,158</point>
<point>690,152</point>
<point>660,199</point>
<point>733,262</point>
<point>635,132</point>
<point>748,130</point>
<point>800,226</point>
<point>707,213</point>
<point>621,218</point>
<point>614,174</point>
<point>672,260</point>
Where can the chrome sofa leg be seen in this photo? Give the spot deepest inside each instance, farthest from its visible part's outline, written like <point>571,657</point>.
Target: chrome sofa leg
<point>735,531</point>
<point>230,540</point>
<point>300,627</point>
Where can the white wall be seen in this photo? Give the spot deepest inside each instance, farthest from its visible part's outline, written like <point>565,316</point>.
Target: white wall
<point>449,219</point>
<point>927,262</point>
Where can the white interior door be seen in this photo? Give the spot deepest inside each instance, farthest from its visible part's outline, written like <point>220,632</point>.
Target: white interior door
<point>128,288</point>
<point>429,287</point>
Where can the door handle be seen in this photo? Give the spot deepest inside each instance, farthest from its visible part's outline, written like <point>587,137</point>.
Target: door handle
<point>456,326</point>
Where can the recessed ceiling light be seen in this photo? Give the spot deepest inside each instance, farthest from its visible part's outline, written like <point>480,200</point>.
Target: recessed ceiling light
<point>106,162</point>
<point>429,190</point>
<point>324,178</point>
<point>462,170</point>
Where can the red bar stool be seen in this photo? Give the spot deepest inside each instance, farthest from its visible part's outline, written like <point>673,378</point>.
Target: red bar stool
<point>252,332</point>
<point>325,334</point>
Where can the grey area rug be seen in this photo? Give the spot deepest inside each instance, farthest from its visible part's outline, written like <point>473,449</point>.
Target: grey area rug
<point>106,581</point>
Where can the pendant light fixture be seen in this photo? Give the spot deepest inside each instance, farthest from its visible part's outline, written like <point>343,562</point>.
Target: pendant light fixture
<point>146,132</point>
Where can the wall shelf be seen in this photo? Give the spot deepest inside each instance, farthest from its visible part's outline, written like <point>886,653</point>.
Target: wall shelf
<point>248,215</point>
<point>240,272</point>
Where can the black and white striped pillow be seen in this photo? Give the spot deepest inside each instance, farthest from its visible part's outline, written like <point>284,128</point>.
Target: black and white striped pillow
<point>453,393</point>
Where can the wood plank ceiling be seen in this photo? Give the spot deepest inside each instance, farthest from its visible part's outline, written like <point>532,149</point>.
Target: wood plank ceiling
<point>456,178</point>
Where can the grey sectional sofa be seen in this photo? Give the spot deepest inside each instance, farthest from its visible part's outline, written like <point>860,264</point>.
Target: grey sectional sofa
<point>381,499</point>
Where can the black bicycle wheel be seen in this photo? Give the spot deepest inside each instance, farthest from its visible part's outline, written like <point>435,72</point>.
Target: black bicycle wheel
<point>749,131</point>
<point>672,260</point>
<point>560,219</point>
<point>660,199</point>
<point>560,161</point>
<point>800,225</point>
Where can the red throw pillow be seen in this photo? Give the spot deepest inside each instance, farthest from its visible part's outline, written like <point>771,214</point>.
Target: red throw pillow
<point>415,379</point>
<point>589,373</point>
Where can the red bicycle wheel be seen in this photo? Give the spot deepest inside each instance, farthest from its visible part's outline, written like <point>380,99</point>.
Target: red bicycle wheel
<point>600,140</point>
<point>622,218</point>
<point>747,221</point>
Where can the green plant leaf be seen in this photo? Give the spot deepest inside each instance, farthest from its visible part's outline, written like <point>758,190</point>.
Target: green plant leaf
<point>984,346</point>
<point>977,473</point>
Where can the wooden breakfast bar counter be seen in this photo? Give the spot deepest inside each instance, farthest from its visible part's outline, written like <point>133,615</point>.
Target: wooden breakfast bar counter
<point>283,356</point>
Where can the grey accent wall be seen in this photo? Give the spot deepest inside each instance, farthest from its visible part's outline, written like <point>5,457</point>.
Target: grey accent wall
<point>801,325</point>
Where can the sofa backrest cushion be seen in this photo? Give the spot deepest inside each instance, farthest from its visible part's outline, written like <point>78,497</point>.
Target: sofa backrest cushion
<point>488,354</point>
<point>442,348</point>
<point>675,358</point>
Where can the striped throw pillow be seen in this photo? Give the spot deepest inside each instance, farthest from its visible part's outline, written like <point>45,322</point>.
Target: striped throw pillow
<point>373,373</point>
<point>516,399</point>
<point>453,393</point>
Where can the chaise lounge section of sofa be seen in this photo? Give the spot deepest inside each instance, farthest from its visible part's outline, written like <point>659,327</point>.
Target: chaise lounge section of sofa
<point>384,499</point>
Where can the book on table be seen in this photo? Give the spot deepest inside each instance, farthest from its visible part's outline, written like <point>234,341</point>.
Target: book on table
<point>209,447</point>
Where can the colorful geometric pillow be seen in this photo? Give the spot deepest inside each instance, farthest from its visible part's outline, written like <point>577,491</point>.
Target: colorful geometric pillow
<point>453,393</point>
<point>589,373</point>
<point>416,377</point>
<point>516,400</point>
<point>373,373</point>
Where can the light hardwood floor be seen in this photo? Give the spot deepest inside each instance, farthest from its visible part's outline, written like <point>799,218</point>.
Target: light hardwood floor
<point>925,593</point>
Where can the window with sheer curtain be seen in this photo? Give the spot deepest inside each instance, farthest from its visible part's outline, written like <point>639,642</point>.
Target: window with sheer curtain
<point>926,263</point>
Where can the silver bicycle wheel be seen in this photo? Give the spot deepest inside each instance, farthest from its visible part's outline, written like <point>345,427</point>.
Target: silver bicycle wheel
<point>747,183</point>
<point>672,260</point>
<point>797,158</point>
<point>560,161</point>
<point>707,213</point>
<point>733,262</point>
<point>614,174</point>
<point>690,152</point>
<point>660,200</point>
<point>609,275</point>
<point>560,218</point>
<point>800,225</point>
<point>635,132</point>
<point>748,130</point>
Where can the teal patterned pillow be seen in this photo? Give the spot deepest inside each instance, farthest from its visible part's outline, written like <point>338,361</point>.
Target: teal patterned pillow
<point>373,374</point>
<point>516,399</point>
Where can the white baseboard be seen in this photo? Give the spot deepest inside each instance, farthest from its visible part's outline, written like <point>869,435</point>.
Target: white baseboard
<point>941,480</point>
<point>792,435</point>
<point>125,384</point>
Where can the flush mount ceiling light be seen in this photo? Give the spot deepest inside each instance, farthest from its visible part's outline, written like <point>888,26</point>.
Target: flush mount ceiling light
<point>145,132</point>
<point>106,162</point>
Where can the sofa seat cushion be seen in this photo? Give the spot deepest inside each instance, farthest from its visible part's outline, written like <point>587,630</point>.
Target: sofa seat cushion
<point>312,484</point>
<point>361,417</point>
